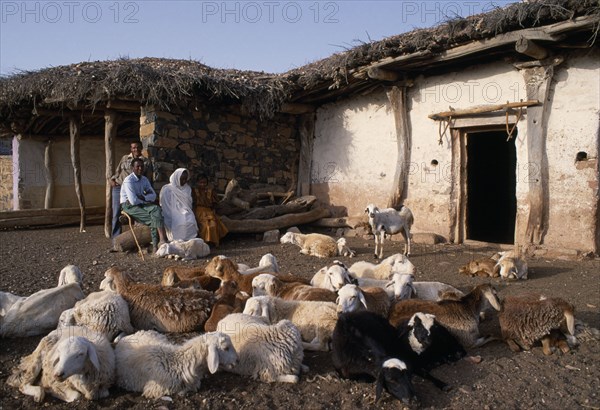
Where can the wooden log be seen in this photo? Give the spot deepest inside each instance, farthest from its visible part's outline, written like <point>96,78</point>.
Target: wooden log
<point>284,221</point>
<point>110,131</point>
<point>531,49</point>
<point>307,132</point>
<point>126,243</point>
<point>397,98</point>
<point>47,220</point>
<point>49,175</point>
<point>345,222</point>
<point>295,206</point>
<point>377,73</point>
<point>25,213</point>
<point>74,128</point>
<point>481,109</point>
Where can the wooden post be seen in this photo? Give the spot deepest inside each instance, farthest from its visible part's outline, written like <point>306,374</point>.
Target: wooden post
<point>537,81</point>
<point>307,133</point>
<point>49,175</point>
<point>110,131</point>
<point>397,98</point>
<point>74,128</point>
<point>458,188</point>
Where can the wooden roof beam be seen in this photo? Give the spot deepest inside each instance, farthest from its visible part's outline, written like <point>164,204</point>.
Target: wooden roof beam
<point>297,108</point>
<point>531,48</point>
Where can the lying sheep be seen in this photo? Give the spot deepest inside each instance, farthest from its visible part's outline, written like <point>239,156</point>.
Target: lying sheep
<point>68,363</point>
<point>189,276</point>
<point>267,264</point>
<point>39,313</point>
<point>460,317</point>
<point>315,320</point>
<point>393,287</point>
<point>511,266</point>
<point>397,263</point>
<point>230,300</point>
<point>485,267</point>
<point>163,309</point>
<point>390,221</point>
<point>435,291</point>
<point>332,277</point>
<point>269,353</point>
<point>529,318</point>
<point>351,298</point>
<point>104,312</point>
<point>316,244</point>
<point>147,362</point>
<point>194,248</point>
<point>266,284</point>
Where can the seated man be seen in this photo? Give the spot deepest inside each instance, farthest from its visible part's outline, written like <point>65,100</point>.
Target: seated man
<point>137,197</point>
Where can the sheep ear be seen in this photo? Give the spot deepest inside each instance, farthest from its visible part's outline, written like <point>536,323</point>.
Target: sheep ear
<point>213,357</point>
<point>265,313</point>
<point>361,296</point>
<point>93,356</point>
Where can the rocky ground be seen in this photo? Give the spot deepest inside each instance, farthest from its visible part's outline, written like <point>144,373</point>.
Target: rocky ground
<point>32,259</point>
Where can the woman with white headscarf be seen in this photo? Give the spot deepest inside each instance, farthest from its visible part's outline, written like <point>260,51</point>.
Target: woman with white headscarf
<point>176,204</point>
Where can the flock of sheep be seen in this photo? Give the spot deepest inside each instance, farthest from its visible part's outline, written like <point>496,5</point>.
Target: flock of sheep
<point>378,322</point>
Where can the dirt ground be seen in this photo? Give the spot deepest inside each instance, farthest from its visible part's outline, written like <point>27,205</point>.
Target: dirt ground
<point>32,259</point>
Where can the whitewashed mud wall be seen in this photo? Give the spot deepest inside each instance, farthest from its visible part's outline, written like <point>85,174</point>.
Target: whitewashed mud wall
<point>355,148</point>
<point>354,153</point>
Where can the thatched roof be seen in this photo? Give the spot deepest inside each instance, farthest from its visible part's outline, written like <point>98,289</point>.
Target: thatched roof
<point>168,83</point>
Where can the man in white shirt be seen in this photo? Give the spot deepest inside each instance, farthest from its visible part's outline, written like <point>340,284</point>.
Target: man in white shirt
<point>137,199</point>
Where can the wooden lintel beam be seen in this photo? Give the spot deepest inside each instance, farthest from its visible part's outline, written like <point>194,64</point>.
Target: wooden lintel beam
<point>481,109</point>
<point>119,105</point>
<point>531,48</point>
<point>296,108</point>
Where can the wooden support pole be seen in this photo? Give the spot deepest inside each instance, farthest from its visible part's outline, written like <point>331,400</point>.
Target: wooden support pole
<point>49,175</point>
<point>74,130</point>
<point>307,135</point>
<point>482,109</point>
<point>110,131</point>
<point>531,49</point>
<point>397,98</point>
<point>376,73</point>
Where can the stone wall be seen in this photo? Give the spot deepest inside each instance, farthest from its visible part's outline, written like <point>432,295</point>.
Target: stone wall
<point>222,143</point>
<point>6,183</point>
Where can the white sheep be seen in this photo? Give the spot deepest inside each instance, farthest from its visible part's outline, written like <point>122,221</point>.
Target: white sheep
<point>397,263</point>
<point>187,250</point>
<point>39,313</point>
<point>147,362</point>
<point>436,291</point>
<point>105,312</point>
<point>73,361</point>
<point>352,298</point>
<point>270,353</point>
<point>511,266</point>
<point>267,264</point>
<point>332,277</point>
<point>315,320</point>
<point>390,221</point>
<point>393,287</point>
<point>316,244</point>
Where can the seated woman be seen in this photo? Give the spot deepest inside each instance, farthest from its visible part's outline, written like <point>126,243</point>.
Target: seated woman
<point>211,229</point>
<point>176,203</point>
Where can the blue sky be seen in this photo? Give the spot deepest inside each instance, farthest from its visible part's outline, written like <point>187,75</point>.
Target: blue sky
<point>271,36</point>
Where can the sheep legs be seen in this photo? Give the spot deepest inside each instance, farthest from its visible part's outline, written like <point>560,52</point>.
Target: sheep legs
<point>379,237</point>
<point>37,392</point>
<point>407,237</point>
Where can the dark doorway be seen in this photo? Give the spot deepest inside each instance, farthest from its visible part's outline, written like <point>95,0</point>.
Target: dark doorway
<point>491,187</point>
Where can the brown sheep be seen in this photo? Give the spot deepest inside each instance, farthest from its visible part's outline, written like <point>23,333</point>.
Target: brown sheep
<point>186,276</point>
<point>485,267</point>
<point>267,284</point>
<point>231,300</point>
<point>162,308</point>
<point>529,318</point>
<point>460,317</point>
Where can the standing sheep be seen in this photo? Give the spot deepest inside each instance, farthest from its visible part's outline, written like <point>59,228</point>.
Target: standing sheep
<point>527,319</point>
<point>147,362</point>
<point>390,221</point>
<point>73,361</point>
<point>319,245</point>
<point>270,353</point>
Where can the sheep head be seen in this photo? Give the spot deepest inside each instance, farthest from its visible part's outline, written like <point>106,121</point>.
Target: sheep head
<point>72,355</point>
<point>349,299</point>
<point>371,210</point>
<point>289,237</point>
<point>221,352</point>
<point>222,268</point>
<point>264,285</point>
<point>420,329</point>
<point>396,379</point>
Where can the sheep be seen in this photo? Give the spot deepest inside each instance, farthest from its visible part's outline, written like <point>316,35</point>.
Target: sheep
<point>189,276</point>
<point>363,347</point>
<point>315,320</point>
<point>148,363</point>
<point>319,245</point>
<point>225,269</point>
<point>266,284</point>
<point>393,287</point>
<point>352,298</point>
<point>390,221</point>
<point>231,300</point>
<point>194,248</point>
<point>67,363</point>
<point>526,319</point>
<point>485,267</point>
<point>435,291</point>
<point>104,312</point>
<point>267,264</point>
<point>397,263</point>
<point>39,313</point>
<point>163,309</point>
<point>511,266</point>
<point>269,353</point>
<point>333,277</point>
<point>460,317</point>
